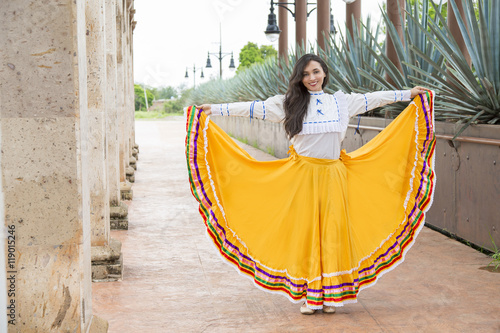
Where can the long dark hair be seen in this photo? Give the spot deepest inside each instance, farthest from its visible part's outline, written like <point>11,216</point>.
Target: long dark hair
<point>297,97</point>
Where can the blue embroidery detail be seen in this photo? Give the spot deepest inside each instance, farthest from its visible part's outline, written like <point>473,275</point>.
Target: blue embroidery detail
<point>338,108</point>
<point>328,121</point>
<point>401,94</point>
<point>263,110</point>
<point>251,110</point>
<point>321,113</point>
<point>227,109</point>
<point>220,109</point>
<point>318,101</point>
<point>322,122</point>
<point>316,94</point>
<point>395,96</point>
<point>357,128</point>
<point>366,103</point>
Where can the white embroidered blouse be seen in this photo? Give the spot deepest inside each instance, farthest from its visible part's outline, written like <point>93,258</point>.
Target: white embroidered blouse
<point>325,123</point>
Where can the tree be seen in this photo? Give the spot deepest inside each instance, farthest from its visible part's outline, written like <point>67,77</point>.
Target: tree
<point>176,105</point>
<point>140,102</point>
<point>165,92</point>
<point>268,51</point>
<point>251,54</point>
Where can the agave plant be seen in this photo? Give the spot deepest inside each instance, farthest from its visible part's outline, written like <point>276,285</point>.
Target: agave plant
<point>415,43</point>
<point>351,54</point>
<point>470,94</point>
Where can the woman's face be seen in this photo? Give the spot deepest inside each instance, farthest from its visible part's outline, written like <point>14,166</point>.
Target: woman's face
<point>313,76</point>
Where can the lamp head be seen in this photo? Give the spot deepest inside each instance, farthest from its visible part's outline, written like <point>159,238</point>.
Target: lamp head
<point>209,64</point>
<point>231,63</point>
<point>332,24</point>
<point>272,31</point>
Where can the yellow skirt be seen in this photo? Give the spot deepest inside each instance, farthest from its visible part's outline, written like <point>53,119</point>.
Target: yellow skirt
<point>313,229</point>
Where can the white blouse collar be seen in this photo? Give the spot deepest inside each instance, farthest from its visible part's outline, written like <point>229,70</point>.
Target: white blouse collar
<point>316,92</point>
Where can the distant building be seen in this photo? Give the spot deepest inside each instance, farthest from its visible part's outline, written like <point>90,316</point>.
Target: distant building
<point>157,105</point>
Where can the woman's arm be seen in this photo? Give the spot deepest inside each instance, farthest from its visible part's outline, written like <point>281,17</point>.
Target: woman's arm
<point>270,109</point>
<point>360,103</point>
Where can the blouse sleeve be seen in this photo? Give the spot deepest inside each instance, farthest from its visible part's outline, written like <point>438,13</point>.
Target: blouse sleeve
<point>271,109</point>
<point>360,103</point>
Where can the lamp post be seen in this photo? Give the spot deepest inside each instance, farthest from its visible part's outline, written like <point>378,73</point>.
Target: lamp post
<point>194,74</point>
<point>220,56</point>
<point>300,15</point>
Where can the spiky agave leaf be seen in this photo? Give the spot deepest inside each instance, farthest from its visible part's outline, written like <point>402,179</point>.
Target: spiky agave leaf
<point>348,56</point>
<point>415,43</point>
<point>474,90</point>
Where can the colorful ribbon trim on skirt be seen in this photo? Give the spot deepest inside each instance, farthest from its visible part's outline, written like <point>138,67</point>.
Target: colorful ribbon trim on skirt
<point>318,288</point>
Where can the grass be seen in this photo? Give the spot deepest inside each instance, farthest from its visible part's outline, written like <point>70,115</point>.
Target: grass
<point>495,256</point>
<point>152,115</point>
<point>270,150</point>
<point>244,140</point>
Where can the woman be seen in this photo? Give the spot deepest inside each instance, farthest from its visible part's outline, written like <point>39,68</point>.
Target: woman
<point>320,225</point>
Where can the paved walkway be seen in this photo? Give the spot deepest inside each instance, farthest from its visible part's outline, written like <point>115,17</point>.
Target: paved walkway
<point>174,280</point>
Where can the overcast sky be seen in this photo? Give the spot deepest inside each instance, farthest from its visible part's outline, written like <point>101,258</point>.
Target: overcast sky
<point>174,34</point>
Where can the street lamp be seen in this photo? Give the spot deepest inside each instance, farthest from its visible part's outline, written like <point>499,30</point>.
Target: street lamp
<point>332,24</point>
<point>194,74</point>
<point>273,31</point>
<point>220,56</point>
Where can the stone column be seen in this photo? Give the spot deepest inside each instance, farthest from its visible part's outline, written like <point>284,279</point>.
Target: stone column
<point>133,146</point>
<point>97,148</point>
<point>44,129</point>
<point>129,91</point>
<point>118,209</point>
<point>125,187</point>
<point>106,253</point>
<point>135,150</point>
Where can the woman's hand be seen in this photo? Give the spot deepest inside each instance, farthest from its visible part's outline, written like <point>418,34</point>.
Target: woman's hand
<point>207,108</point>
<point>417,91</point>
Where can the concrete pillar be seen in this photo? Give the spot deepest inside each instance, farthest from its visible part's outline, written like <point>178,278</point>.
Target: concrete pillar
<point>455,29</point>
<point>323,12</point>
<point>113,156</point>
<point>125,187</point>
<point>129,86</point>
<point>300,23</point>
<point>393,12</point>
<point>97,147</point>
<point>118,209</point>
<point>135,150</point>
<point>131,25</point>
<point>44,129</point>
<point>353,14</point>
<point>283,39</point>
<point>130,160</point>
<point>106,254</point>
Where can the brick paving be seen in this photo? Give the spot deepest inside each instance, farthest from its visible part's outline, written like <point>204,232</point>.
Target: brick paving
<point>174,280</point>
